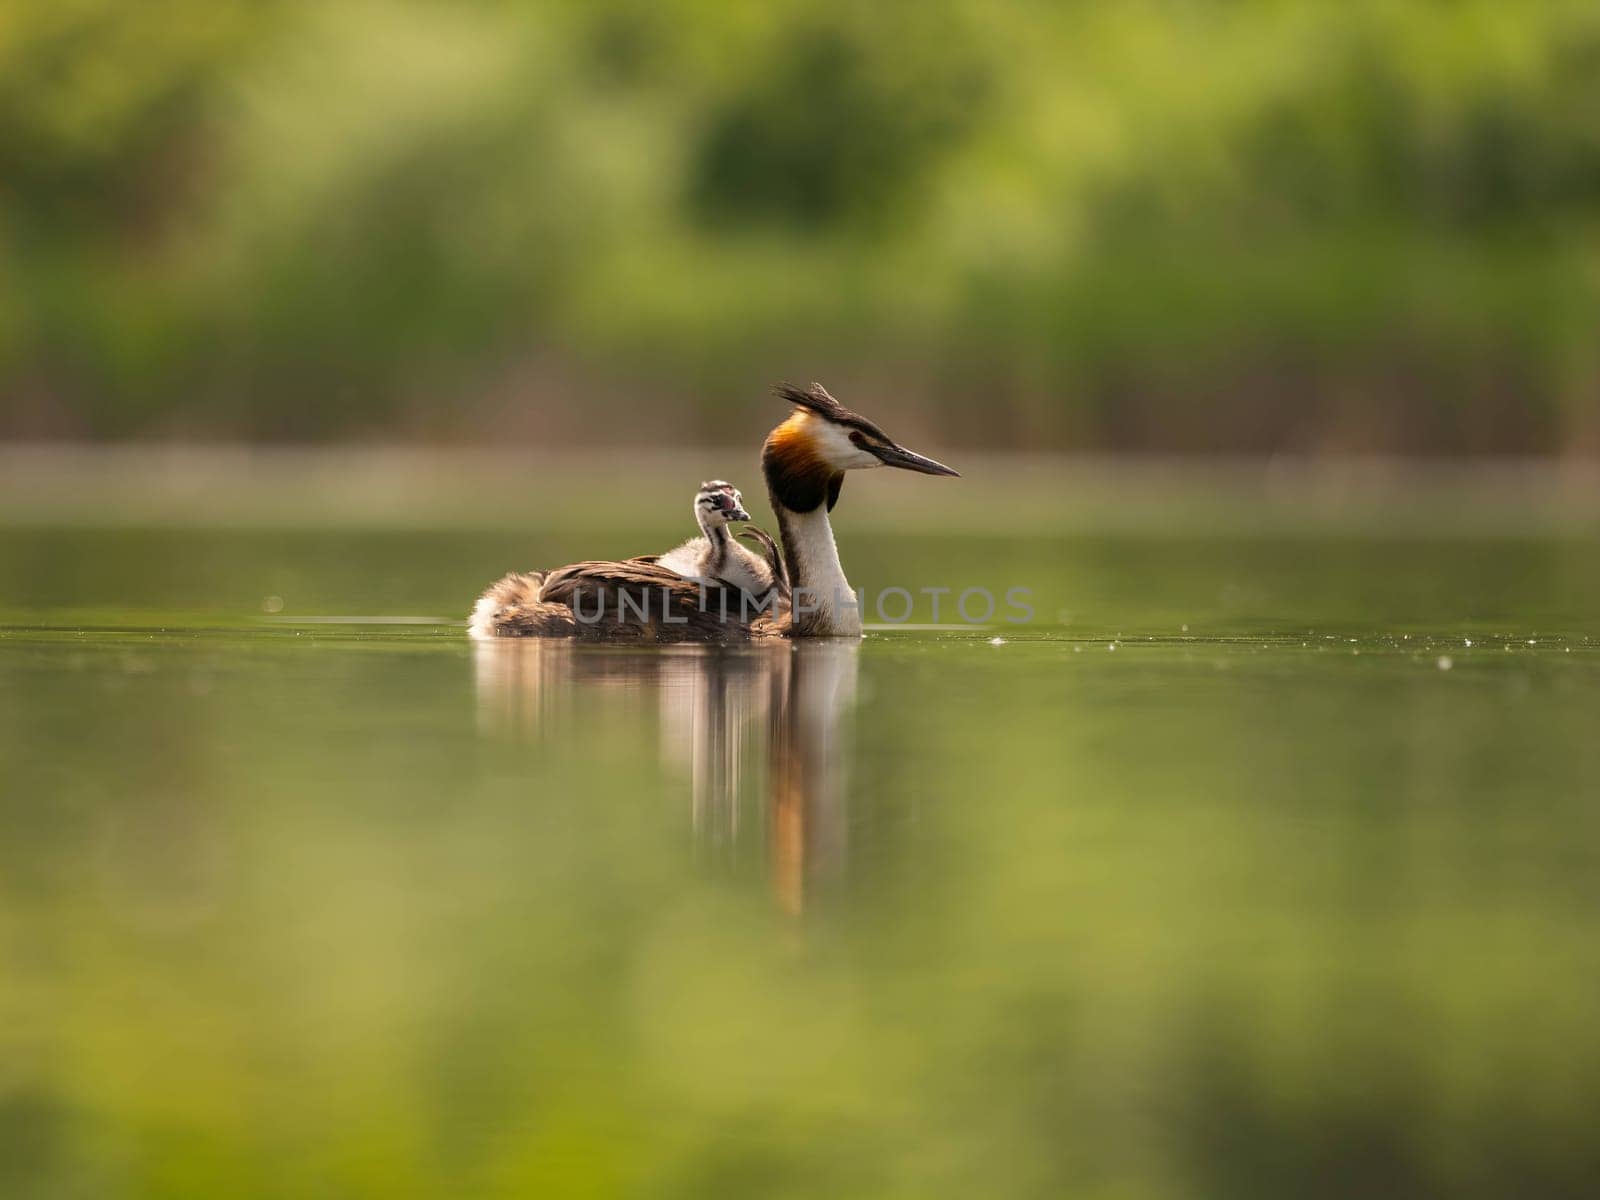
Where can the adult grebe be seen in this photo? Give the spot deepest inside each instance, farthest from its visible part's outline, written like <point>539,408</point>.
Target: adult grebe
<point>804,461</point>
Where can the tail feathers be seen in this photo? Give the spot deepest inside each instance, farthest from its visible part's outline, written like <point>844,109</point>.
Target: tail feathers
<point>511,607</point>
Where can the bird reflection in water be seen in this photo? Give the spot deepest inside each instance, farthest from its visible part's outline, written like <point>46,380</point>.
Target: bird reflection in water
<point>761,731</point>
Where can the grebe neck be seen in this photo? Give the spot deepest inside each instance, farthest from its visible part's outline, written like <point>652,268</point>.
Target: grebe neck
<point>824,605</point>
<point>717,536</point>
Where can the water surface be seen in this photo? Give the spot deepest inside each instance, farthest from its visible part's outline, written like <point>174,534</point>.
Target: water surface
<point>1239,872</point>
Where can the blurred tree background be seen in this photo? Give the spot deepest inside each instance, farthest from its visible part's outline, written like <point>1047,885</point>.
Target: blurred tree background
<point>1235,225</point>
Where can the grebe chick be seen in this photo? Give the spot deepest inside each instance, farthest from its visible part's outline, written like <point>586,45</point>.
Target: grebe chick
<point>715,555</point>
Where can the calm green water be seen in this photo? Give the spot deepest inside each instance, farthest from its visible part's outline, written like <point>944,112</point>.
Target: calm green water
<point>1300,900</point>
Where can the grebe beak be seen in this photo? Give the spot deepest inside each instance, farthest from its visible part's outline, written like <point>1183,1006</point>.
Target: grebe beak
<point>909,460</point>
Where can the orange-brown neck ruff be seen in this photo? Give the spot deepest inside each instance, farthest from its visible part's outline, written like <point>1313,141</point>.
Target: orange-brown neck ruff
<point>798,478</point>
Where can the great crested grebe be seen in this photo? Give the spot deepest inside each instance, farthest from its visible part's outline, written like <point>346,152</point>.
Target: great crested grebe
<point>715,555</point>
<point>804,460</point>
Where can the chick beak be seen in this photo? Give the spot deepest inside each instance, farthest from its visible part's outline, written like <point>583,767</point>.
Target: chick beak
<point>737,514</point>
<point>909,460</point>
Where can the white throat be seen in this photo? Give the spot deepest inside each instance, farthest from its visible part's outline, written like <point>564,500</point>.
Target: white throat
<point>824,605</point>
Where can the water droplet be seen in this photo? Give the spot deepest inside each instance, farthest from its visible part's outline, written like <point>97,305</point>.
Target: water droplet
<point>1469,641</point>
<point>272,604</point>
<point>997,641</point>
<point>1445,662</point>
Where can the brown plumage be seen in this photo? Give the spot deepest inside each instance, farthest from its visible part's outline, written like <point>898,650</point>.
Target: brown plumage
<point>634,600</point>
<point>773,556</point>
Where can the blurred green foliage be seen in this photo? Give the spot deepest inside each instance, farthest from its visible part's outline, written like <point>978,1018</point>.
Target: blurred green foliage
<point>1251,225</point>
